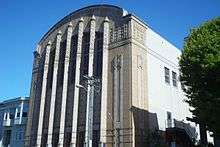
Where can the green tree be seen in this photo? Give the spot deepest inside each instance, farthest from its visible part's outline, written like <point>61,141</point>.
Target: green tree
<point>200,74</point>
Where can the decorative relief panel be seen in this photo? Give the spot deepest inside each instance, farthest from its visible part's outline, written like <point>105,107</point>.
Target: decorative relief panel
<point>138,32</point>
<point>140,80</point>
<point>119,33</point>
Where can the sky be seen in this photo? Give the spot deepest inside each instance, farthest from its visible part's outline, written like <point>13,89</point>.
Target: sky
<point>24,22</point>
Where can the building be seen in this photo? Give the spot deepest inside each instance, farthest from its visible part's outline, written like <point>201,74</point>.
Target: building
<point>101,76</point>
<point>13,121</point>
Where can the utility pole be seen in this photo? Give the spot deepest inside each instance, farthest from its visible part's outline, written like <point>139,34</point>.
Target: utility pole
<point>94,85</point>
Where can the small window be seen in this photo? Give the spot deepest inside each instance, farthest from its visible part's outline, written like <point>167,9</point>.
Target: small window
<point>174,79</point>
<point>169,116</point>
<point>20,135</point>
<point>24,114</point>
<point>11,116</point>
<point>16,136</point>
<point>169,119</point>
<point>167,75</point>
<point>18,114</point>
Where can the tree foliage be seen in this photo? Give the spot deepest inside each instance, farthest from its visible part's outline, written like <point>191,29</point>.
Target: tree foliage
<point>200,73</point>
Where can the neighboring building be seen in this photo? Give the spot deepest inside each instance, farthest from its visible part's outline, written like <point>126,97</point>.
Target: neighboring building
<point>13,120</point>
<point>140,88</point>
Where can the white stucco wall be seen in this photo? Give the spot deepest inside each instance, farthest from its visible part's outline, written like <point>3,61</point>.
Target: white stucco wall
<point>164,97</point>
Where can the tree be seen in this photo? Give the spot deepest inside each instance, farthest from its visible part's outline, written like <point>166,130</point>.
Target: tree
<point>200,74</point>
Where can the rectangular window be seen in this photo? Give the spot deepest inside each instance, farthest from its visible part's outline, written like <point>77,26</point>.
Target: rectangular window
<point>167,75</point>
<point>20,135</point>
<point>16,136</point>
<point>24,114</point>
<point>169,119</point>
<point>11,116</point>
<point>174,79</point>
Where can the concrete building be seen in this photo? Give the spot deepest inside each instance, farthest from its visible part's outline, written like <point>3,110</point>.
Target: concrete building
<point>101,76</point>
<point>13,120</point>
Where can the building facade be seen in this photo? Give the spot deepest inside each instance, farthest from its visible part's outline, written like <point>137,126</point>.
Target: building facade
<point>13,121</point>
<point>101,76</point>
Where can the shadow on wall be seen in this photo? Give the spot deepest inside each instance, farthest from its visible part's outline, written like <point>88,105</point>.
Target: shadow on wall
<point>147,133</point>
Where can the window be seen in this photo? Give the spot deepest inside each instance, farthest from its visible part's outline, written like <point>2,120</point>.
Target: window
<point>61,63</point>
<point>18,114</point>
<point>174,79</point>
<point>20,135</point>
<point>11,116</point>
<point>24,114</point>
<point>169,119</point>
<point>167,75</point>
<point>98,54</point>
<point>16,136</point>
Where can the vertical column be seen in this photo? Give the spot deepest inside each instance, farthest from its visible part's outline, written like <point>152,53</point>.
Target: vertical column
<point>104,93</point>
<point>89,114</point>
<point>65,84</point>
<point>118,99</point>
<point>43,94</point>
<point>117,90</point>
<point>21,112</point>
<point>77,82</point>
<point>32,96</point>
<point>5,116</point>
<point>54,88</point>
<point>8,115</point>
<point>16,112</point>
<point>121,76</point>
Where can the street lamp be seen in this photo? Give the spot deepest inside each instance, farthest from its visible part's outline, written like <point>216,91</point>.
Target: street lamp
<point>80,86</point>
<point>93,86</point>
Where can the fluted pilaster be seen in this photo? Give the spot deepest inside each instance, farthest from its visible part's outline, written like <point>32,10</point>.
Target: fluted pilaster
<point>21,112</point>
<point>43,94</point>
<point>77,82</point>
<point>54,89</point>
<point>90,92</point>
<point>118,99</point>
<point>104,93</point>
<point>65,84</point>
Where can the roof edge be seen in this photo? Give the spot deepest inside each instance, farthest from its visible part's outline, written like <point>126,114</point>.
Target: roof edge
<point>78,10</point>
<point>15,99</point>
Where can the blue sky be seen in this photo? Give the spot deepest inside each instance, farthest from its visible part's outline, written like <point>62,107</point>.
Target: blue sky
<point>24,22</point>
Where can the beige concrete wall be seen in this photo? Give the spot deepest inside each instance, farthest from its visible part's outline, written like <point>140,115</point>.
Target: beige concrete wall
<point>139,83</point>
<point>139,66</point>
<point>125,51</point>
<point>134,82</point>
